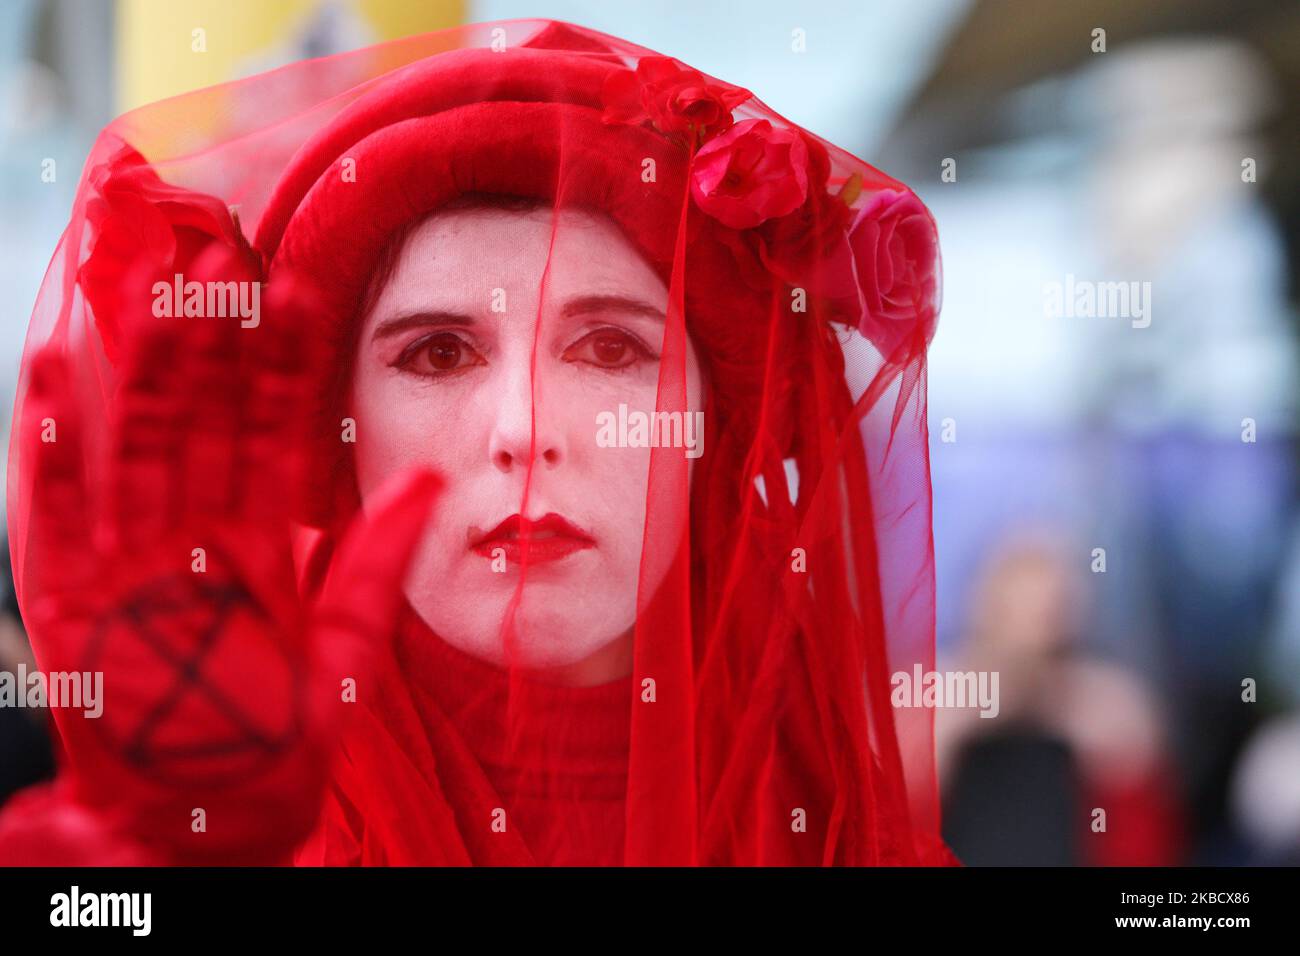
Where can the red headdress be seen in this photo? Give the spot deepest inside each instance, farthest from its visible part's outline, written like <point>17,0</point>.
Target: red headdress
<point>758,723</point>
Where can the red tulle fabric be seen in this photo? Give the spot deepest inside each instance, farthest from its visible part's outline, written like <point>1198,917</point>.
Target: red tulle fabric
<point>446,753</point>
<point>291,689</point>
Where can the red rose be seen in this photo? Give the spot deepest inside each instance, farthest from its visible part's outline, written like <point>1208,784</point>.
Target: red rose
<point>672,96</point>
<point>895,253</point>
<point>808,247</point>
<point>750,174</point>
<point>146,231</point>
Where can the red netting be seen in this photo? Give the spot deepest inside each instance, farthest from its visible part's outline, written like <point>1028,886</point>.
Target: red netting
<point>665,353</point>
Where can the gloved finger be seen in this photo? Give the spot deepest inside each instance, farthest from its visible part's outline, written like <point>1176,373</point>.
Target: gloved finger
<point>362,598</point>
<point>52,434</point>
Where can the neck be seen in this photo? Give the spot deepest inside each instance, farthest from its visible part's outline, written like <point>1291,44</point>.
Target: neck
<point>610,663</point>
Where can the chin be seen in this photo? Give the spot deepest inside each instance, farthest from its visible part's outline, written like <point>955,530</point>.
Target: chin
<point>554,625</point>
<point>555,630</point>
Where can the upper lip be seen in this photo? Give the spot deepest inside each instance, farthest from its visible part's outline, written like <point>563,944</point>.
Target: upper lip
<point>514,527</point>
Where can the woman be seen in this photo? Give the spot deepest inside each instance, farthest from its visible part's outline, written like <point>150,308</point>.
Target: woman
<point>545,481</point>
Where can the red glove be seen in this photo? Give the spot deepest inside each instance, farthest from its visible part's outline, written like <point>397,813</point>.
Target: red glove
<point>221,691</point>
<point>45,825</point>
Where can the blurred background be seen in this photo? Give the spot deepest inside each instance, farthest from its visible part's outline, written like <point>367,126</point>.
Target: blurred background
<point>1115,496</point>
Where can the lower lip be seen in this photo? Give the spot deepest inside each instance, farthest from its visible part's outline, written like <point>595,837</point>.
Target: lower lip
<point>540,550</point>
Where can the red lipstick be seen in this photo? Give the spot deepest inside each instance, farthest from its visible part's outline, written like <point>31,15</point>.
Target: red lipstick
<point>545,539</point>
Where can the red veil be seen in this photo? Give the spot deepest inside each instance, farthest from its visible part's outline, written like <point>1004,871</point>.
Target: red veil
<point>785,573</point>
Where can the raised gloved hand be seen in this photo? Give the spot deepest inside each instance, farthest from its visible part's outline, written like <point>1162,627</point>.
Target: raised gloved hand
<point>161,558</point>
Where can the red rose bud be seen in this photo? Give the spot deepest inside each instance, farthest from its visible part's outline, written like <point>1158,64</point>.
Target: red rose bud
<point>675,98</point>
<point>750,174</point>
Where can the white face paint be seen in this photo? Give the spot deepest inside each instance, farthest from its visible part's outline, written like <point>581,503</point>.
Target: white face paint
<point>466,367</point>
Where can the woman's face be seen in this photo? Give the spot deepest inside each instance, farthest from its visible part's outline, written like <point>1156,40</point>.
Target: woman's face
<point>482,362</point>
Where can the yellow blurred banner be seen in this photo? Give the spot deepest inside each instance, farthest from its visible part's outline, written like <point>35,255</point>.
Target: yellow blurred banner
<point>166,47</point>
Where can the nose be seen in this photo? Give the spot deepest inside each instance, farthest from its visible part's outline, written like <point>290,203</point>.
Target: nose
<point>523,431</point>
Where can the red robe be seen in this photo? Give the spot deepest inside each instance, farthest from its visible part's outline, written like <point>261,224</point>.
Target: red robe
<point>429,777</point>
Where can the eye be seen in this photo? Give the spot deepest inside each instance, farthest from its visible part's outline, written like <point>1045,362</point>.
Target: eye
<point>438,354</point>
<point>608,348</point>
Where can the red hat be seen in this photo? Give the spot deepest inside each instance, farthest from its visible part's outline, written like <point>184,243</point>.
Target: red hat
<point>563,119</point>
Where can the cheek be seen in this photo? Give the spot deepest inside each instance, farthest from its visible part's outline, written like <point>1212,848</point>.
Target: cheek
<point>623,482</point>
<point>399,425</point>
<point>608,483</point>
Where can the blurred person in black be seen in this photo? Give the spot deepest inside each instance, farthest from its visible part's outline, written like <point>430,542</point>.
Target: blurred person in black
<point>1075,769</point>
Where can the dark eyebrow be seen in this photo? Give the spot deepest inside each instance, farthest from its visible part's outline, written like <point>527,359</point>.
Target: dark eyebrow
<point>420,320</point>
<point>585,305</point>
